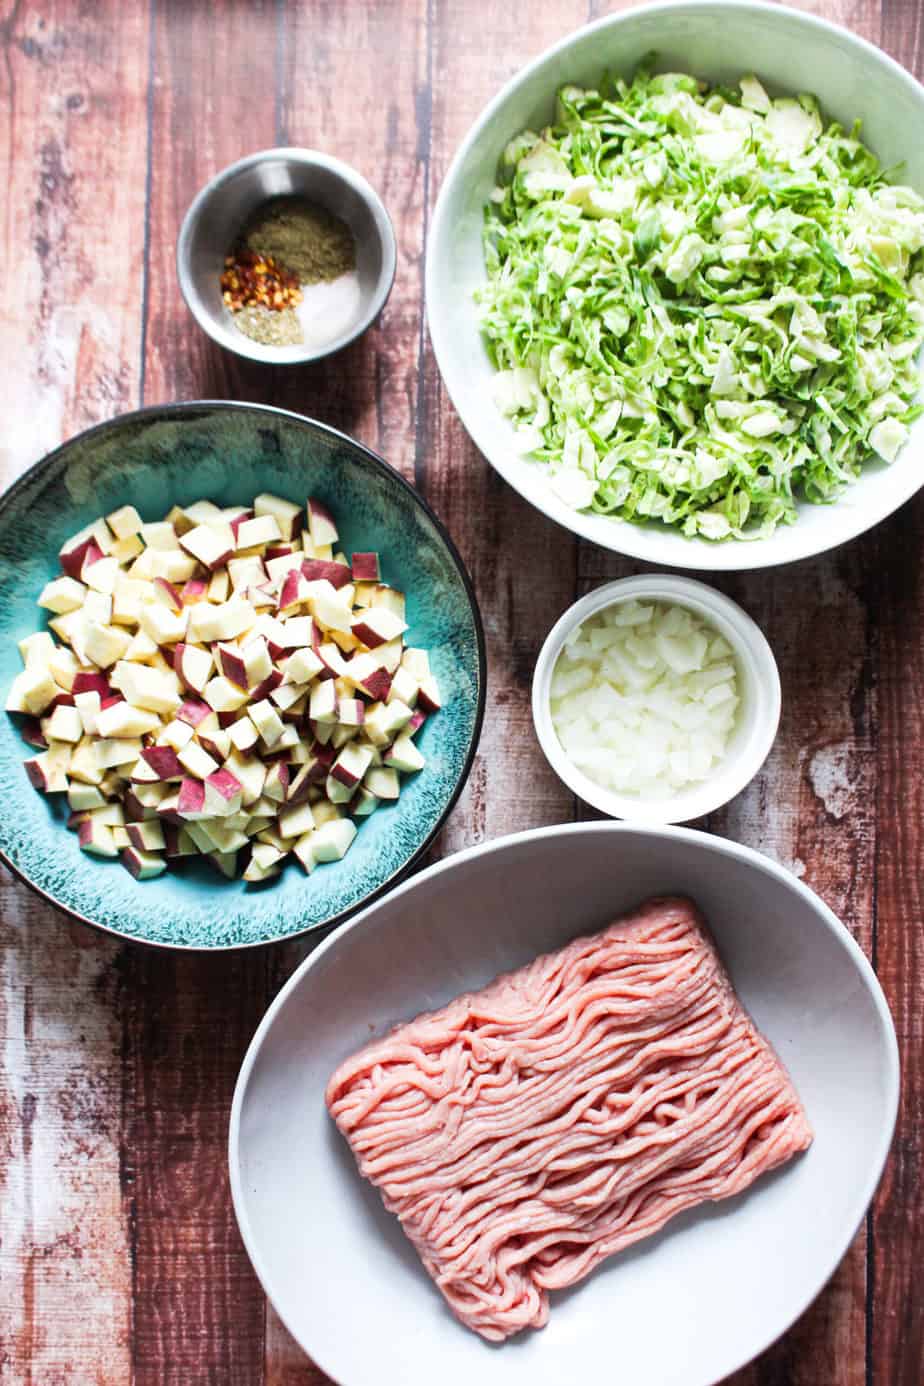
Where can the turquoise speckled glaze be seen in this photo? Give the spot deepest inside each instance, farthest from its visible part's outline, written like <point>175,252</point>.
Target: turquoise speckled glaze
<point>173,454</point>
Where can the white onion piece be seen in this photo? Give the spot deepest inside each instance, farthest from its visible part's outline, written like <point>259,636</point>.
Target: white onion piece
<point>644,698</point>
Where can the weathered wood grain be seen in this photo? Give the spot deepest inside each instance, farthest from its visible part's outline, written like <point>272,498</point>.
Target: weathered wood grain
<point>333,61</point>
<point>523,567</point>
<point>813,808</point>
<point>119,1259</point>
<point>198,1311</point>
<point>70,327</point>
<point>897,1225</point>
<point>69,296</point>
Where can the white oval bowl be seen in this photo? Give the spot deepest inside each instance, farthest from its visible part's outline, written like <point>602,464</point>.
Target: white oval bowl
<point>718,40</point>
<point>684,1308</point>
<point>758,714</point>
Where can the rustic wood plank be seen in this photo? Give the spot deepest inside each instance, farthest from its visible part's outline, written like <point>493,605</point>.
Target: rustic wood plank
<point>896,1309</point>
<point>198,1310</point>
<point>333,98</point>
<point>70,301</point>
<point>522,566</point>
<point>839,800</point>
<point>188,1020</point>
<point>286,1364</point>
<point>70,320</point>
<point>813,808</point>
<point>897,1229</point>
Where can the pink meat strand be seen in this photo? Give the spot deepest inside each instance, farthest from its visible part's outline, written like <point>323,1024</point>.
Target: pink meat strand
<point>526,1132</point>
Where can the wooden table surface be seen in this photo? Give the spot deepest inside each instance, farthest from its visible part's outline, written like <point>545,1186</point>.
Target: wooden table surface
<point>120,1261</point>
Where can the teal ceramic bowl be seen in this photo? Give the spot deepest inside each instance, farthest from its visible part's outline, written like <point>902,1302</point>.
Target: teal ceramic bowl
<point>172,454</point>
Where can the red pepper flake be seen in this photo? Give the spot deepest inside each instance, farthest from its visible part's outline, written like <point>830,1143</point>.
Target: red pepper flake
<point>250,280</point>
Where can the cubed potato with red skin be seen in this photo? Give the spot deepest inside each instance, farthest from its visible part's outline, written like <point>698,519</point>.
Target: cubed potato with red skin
<point>193,664</point>
<point>87,682</point>
<point>332,840</point>
<point>62,595</point>
<point>164,761</point>
<point>261,529</point>
<point>193,655</point>
<point>32,733</point>
<point>293,592</point>
<point>177,841</point>
<point>96,838</point>
<point>403,686</point>
<point>276,785</point>
<point>166,592</point>
<point>210,544</point>
<point>46,773</point>
<point>194,590</point>
<point>376,685</point>
<point>316,569</point>
<point>142,865</point>
<point>403,755</point>
<point>365,567</point>
<point>231,664</point>
<point>74,551</point>
<point>147,835</point>
<point>363,802</point>
<point>389,599</point>
<point>285,512</point>
<point>124,522</point>
<point>33,692</point>
<point>222,793</point>
<point>191,800</point>
<point>351,764</point>
<point>118,718</point>
<point>247,572</point>
<point>263,690</point>
<point>321,524</point>
<point>159,535</point>
<point>377,626</point>
<point>235,518</point>
<point>429,697</point>
<point>193,712</point>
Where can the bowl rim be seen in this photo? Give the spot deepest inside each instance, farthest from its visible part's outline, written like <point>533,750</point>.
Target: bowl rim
<point>751,648</point>
<point>722,846</point>
<point>627,538</point>
<point>193,407</point>
<point>310,158</point>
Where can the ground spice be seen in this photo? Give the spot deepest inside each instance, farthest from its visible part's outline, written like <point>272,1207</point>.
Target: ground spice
<point>270,327</point>
<point>308,239</point>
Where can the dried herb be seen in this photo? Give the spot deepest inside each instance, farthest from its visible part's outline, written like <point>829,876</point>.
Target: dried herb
<point>270,327</point>
<point>309,240</point>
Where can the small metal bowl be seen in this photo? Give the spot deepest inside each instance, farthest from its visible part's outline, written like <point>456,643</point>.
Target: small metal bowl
<point>220,211</point>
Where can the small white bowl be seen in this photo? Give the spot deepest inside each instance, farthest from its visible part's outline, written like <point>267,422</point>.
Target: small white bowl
<point>758,713</point>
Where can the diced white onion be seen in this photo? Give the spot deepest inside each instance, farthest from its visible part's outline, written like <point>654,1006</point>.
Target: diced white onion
<point>644,698</point>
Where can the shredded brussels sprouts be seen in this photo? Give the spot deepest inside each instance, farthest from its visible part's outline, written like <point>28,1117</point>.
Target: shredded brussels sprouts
<point>701,303</point>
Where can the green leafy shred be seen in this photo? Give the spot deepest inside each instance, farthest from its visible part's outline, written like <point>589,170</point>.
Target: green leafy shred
<point>701,304</point>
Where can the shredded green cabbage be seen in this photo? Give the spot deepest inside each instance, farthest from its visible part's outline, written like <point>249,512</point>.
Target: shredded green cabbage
<point>701,303</point>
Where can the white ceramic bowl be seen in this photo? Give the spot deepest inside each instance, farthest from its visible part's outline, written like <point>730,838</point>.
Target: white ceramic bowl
<point>717,40</point>
<point>758,714</point>
<point>682,1309</point>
